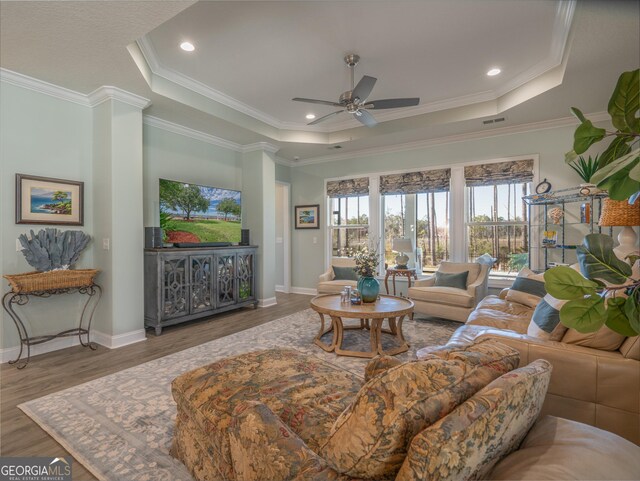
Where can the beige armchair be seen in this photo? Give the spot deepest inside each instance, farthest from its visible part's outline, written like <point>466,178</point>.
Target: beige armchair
<point>450,302</point>
<point>327,283</point>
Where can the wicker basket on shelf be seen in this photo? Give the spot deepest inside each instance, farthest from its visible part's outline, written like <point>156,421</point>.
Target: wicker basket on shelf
<point>45,281</point>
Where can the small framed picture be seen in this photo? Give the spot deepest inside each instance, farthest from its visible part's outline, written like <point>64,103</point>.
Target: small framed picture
<point>308,216</point>
<point>43,200</point>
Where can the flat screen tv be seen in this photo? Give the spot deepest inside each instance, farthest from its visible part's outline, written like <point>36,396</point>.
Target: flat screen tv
<point>192,213</point>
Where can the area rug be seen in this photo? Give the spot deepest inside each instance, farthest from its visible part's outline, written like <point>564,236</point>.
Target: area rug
<point>120,426</point>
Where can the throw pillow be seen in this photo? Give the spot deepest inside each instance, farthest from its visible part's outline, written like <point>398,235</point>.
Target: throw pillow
<point>603,339</point>
<point>344,274</point>
<point>469,441</point>
<point>370,438</point>
<point>458,280</point>
<point>545,322</point>
<point>528,288</point>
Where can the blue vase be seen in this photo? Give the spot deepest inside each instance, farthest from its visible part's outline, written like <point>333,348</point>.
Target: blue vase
<point>369,288</point>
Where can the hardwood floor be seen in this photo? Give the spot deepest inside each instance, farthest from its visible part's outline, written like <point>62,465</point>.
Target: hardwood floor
<point>55,371</point>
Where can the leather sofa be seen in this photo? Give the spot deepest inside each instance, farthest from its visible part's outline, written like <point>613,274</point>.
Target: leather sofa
<point>596,387</point>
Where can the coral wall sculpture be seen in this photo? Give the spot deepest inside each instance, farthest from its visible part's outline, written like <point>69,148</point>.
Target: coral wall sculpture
<point>52,249</point>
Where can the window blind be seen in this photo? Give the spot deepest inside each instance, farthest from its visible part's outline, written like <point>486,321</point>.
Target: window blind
<point>419,182</point>
<point>348,187</point>
<point>499,173</point>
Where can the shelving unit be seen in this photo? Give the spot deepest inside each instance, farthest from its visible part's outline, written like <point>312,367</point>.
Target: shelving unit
<point>570,230</point>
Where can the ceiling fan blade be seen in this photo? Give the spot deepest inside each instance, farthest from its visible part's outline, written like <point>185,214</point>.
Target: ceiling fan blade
<point>366,118</point>
<point>364,88</point>
<point>392,103</point>
<point>325,117</point>
<point>314,101</point>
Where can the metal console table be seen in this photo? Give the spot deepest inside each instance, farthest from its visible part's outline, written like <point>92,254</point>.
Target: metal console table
<point>12,299</point>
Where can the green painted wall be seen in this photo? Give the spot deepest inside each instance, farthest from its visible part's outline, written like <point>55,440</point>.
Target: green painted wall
<point>308,181</point>
<point>45,136</point>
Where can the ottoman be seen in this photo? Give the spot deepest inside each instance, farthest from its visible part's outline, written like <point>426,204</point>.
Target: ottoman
<point>306,393</point>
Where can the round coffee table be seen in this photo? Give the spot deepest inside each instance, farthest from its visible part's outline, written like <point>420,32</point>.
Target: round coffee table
<point>371,316</point>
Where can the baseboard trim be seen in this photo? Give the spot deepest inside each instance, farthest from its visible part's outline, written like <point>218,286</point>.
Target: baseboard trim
<point>279,288</point>
<point>270,301</point>
<point>119,340</point>
<point>111,342</point>
<point>304,290</point>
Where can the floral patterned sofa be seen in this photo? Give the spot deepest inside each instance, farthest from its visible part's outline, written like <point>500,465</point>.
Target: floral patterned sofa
<point>280,414</point>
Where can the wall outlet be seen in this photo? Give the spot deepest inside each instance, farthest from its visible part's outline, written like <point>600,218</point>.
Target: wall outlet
<point>106,244</point>
<point>315,240</point>
<point>18,246</point>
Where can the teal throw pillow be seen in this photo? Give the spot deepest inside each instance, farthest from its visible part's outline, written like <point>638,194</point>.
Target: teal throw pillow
<point>344,274</point>
<point>528,288</point>
<point>545,321</point>
<point>458,280</point>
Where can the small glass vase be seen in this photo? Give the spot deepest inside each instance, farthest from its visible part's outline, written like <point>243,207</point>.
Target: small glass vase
<point>369,288</point>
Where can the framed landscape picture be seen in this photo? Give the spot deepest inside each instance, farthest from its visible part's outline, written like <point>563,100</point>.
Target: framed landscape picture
<point>43,200</point>
<point>307,216</point>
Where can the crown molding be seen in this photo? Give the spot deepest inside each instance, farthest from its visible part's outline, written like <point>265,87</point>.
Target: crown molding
<point>108,92</point>
<point>151,57</point>
<point>96,97</point>
<point>212,139</point>
<point>191,133</point>
<point>421,144</point>
<point>264,146</point>
<point>40,86</point>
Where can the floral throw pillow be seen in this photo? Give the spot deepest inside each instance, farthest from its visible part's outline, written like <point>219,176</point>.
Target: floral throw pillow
<point>468,442</point>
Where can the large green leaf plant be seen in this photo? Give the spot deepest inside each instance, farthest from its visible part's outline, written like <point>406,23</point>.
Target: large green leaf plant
<point>606,293</point>
<point>619,164</point>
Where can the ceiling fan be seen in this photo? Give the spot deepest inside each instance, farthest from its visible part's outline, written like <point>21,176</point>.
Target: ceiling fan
<point>355,100</point>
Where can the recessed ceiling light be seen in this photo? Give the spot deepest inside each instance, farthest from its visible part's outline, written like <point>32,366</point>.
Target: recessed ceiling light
<point>493,72</point>
<point>187,46</point>
<point>310,116</point>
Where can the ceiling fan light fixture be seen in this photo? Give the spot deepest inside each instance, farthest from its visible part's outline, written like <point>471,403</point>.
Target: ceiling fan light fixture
<point>187,46</point>
<point>310,116</point>
<point>493,72</point>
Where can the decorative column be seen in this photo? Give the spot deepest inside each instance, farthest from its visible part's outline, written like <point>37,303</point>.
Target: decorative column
<point>117,210</point>
<point>258,214</point>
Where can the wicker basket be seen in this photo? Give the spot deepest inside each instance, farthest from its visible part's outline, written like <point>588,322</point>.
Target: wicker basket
<point>45,281</point>
<point>619,213</point>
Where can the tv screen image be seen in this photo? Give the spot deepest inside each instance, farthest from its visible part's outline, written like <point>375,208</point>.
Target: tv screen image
<point>198,213</point>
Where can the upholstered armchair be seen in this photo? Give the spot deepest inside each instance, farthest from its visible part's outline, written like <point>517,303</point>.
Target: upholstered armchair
<point>328,284</point>
<point>451,302</point>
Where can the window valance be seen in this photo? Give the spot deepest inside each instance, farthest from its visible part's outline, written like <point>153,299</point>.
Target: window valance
<point>348,187</point>
<point>499,173</point>
<point>416,182</point>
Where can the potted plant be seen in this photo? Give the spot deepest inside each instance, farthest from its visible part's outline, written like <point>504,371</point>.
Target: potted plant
<point>619,164</point>
<point>608,291</point>
<point>585,168</point>
<point>367,260</point>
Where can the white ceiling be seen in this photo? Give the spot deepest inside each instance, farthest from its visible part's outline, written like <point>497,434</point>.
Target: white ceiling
<point>253,53</point>
<point>261,54</point>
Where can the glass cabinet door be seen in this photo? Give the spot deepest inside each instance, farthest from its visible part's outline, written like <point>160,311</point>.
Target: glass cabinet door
<point>245,276</point>
<point>201,280</point>
<point>175,288</point>
<point>225,279</point>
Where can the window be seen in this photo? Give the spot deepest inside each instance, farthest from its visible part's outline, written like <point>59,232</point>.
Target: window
<point>348,215</point>
<point>451,214</point>
<point>496,218</point>
<point>349,224</point>
<point>432,231</point>
<point>395,219</point>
